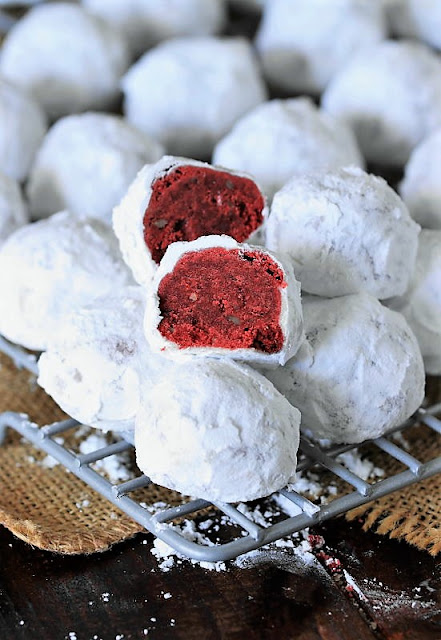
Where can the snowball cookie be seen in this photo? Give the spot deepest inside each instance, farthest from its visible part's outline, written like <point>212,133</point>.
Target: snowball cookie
<point>302,43</point>
<point>421,186</point>
<point>359,374</point>
<point>283,138</point>
<point>67,59</point>
<point>391,97</point>
<point>49,269</point>
<point>182,199</point>
<point>86,164</point>
<point>22,128</point>
<point>346,232</point>
<point>216,297</point>
<point>188,92</point>
<point>421,305</point>
<point>94,366</point>
<point>217,430</point>
<point>419,19</point>
<point>13,212</point>
<point>145,23</point>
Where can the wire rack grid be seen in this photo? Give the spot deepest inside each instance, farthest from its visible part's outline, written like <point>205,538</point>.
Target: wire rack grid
<point>160,521</point>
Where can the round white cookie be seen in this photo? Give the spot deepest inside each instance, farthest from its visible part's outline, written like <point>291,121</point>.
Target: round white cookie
<point>421,304</point>
<point>346,232</point>
<point>66,58</point>
<point>283,138</point>
<point>146,23</point>
<point>419,19</point>
<point>94,366</point>
<point>421,185</point>
<point>86,163</point>
<point>188,92</point>
<point>391,97</point>
<point>13,211</point>
<point>302,44</point>
<point>290,318</point>
<point>217,430</point>
<point>49,269</point>
<point>22,128</point>
<point>128,216</point>
<point>360,372</point>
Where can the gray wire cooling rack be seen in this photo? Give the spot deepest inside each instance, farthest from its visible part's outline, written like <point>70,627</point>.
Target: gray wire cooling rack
<point>252,535</point>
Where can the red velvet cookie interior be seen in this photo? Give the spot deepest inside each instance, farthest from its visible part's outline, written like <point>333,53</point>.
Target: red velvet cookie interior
<point>226,298</point>
<point>190,202</point>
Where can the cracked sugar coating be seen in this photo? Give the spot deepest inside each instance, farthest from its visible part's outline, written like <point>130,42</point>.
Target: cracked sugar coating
<point>94,366</point>
<point>181,199</point>
<point>391,97</point>
<point>13,212</point>
<point>359,372</point>
<point>54,267</point>
<point>216,297</point>
<point>67,59</point>
<point>421,304</point>
<point>22,128</point>
<point>86,163</point>
<point>146,23</point>
<point>188,92</point>
<point>421,186</point>
<point>416,19</point>
<point>283,138</point>
<point>346,232</point>
<point>223,420</point>
<point>302,44</point>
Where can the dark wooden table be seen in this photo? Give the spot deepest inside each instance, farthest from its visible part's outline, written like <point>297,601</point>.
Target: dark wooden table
<point>122,593</point>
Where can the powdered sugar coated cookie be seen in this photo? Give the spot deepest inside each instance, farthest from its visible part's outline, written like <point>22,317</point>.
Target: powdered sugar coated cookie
<point>86,163</point>
<point>391,97</point>
<point>359,373</point>
<point>67,59</point>
<point>346,232</point>
<point>283,138</point>
<point>179,199</point>
<point>53,267</point>
<point>188,92</point>
<point>224,420</point>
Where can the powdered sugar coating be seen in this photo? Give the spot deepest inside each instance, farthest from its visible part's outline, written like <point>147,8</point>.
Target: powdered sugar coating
<point>128,216</point>
<point>359,373</point>
<point>421,186</point>
<point>421,304</point>
<point>67,59</point>
<point>53,267</point>
<point>416,19</point>
<point>188,92</point>
<point>13,212</point>
<point>391,96</point>
<point>243,445</point>
<point>290,322</point>
<point>22,128</point>
<point>283,138</point>
<point>302,44</point>
<point>94,366</point>
<point>86,163</point>
<point>346,232</point>
<point>145,24</point>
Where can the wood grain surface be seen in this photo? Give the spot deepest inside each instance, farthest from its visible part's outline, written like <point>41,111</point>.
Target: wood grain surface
<point>120,594</point>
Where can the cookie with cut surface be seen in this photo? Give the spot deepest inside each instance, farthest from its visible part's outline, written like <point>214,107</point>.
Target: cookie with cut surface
<point>216,297</point>
<point>181,199</point>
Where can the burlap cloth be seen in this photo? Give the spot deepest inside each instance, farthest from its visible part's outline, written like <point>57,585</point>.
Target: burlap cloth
<point>52,509</point>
